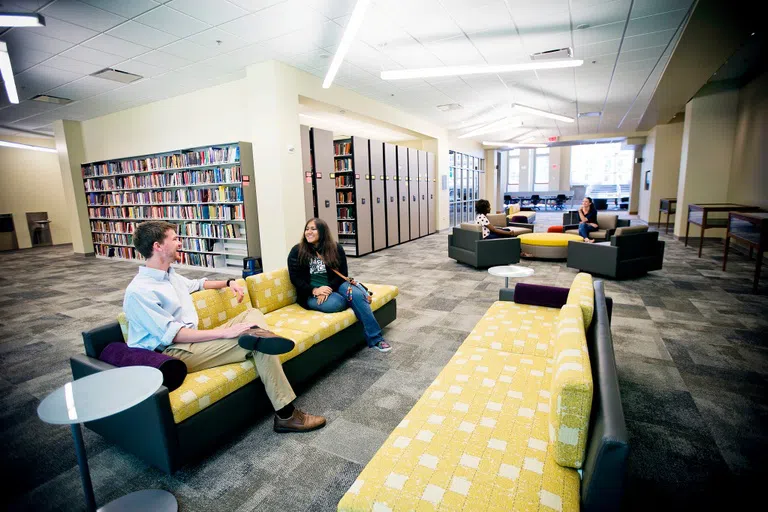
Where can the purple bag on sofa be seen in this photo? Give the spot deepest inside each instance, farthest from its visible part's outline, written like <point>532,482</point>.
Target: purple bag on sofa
<point>119,354</point>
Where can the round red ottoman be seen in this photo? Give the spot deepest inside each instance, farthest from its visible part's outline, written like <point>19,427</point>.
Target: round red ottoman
<point>555,229</point>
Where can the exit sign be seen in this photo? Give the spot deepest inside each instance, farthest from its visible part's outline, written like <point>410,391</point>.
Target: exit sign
<point>554,138</point>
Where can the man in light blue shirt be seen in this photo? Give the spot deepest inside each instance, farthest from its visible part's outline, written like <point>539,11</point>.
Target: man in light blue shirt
<point>162,317</point>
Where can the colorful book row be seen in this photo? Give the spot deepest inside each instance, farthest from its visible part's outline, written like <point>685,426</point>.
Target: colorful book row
<point>199,212</point>
<point>210,156</point>
<point>231,175</point>
<point>201,195</point>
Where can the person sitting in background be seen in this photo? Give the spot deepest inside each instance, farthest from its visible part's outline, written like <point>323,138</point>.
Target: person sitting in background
<point>162,317</point>
<point>588,216</point>
<point>313,264</point>
<point>483,208</point>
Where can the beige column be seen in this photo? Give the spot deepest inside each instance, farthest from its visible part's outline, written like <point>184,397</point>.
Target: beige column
<point>708,137</point>
<point>273,116</point>
<point>69,144</point>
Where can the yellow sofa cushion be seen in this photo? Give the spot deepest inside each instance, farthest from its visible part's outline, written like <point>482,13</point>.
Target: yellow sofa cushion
<point>582,294</point>
<point>476,440</point>
<point>271,290</point>
<point>516,328</point>
<point>513,208</point>
<point>548,239</point>
<point>570,401</point>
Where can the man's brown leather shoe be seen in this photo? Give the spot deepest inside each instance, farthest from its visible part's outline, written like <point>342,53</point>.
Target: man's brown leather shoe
<point>264,341</point>
<point>299,421</point>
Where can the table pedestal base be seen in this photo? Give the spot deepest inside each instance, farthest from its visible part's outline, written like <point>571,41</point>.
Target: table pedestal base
<point>151,499</point>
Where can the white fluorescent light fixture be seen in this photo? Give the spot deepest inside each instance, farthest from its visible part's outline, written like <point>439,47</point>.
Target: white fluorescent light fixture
<point>8,19</point>
<point>501,124</point>
<point>16,145</point>
<point>346,41</point>
<point>402,74</point>
<point>543,113</point>
<point>513,145</point>
<point>7,74</point>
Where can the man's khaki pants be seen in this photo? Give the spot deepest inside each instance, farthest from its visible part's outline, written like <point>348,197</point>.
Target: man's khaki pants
<point>207,354</point>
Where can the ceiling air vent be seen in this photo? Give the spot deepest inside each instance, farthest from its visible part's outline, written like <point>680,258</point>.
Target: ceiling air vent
<point>590,114</point>
<point>51,99</point>
<point>117,76</point>
<point>449,106</point>
<point>560,53</point>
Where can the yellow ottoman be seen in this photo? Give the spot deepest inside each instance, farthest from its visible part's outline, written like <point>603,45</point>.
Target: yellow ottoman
<point>553,246</point>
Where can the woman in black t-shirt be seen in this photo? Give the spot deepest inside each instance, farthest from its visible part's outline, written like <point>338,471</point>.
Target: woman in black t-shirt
<point>588,216</point>
<point>311,265</point>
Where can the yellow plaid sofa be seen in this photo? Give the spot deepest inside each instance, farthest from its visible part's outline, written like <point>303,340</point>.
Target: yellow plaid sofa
<point>503,426</point>
<point>513,210</point>
<point>275,296</point>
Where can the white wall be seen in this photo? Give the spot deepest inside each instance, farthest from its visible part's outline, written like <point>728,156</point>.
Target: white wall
<point>30,181</point>
<point>644,196</point>
<point>709,133</point>
<point>749,166</point>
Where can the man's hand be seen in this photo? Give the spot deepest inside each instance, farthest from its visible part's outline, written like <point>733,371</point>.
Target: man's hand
<point>239,290</point>
<point>235,331</point>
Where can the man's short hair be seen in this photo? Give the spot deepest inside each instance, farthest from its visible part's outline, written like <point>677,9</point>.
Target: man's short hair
<point>149,232</point>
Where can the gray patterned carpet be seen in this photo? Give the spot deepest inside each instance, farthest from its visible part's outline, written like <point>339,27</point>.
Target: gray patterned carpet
<point>690,343</point>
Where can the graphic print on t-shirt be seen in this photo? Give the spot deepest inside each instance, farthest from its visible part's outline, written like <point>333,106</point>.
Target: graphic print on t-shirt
<point>316,266</point>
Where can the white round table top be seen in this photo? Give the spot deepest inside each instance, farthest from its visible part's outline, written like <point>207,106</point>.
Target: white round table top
<point>100,395</point>
<point>511,271</point>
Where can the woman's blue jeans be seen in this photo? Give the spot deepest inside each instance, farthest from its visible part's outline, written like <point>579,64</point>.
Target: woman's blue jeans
<point>337,301</point>
<point>585,229</point>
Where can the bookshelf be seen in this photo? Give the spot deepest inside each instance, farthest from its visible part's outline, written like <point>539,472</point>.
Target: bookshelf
<point>205,191</point>
<point>346,207</point>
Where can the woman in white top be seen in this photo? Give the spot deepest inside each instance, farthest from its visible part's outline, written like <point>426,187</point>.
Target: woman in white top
<point>483,208</point>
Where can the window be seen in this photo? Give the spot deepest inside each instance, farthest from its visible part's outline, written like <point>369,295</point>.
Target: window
<point>601,164</point>
<point>541,170</point>
<point>513,180</point>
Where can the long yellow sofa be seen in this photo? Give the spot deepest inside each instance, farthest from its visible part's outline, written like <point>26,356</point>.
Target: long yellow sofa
<point>516,215</point>
<point>506,424</point>
<point>192,418</point>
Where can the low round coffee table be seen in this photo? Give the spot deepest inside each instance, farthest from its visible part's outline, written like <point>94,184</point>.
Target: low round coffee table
<point>507,271</point>
<point>552,246</point>
<point>95,397</point>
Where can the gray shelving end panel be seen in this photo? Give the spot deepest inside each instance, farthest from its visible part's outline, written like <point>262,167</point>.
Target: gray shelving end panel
<point>378,199</point>
<point>390,192</point>
<point>402,193</point>
<point>413,191</point>
<point>363,226</point>
<point>423,187</point>
<point>432,191</point>
<point>252,232</point>
<point>325,184</point>
<point>307,174</point>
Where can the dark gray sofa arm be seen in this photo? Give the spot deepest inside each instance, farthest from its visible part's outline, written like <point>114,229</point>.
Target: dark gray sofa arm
<point>146,429</point>
<point>97,339</point>
<point>593,258</point>
<point>498,251</point>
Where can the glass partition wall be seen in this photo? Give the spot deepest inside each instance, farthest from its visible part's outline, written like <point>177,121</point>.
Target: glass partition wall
<point>465,174</point>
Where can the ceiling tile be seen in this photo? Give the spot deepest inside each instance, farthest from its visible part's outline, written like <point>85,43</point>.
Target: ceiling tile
<point>456,51</point>
<point>218,40</point>
<point>142,34</point>
<point>189,50</point>
<point>647,40</point>
<point>499,47</point>
<point>589,51</point>
<point>116,46</point>
<point>42,78</point>
<point>491,16</point>
<point>370,59</point>
<point>656,23</point>
<point>25,109</point>
<point>247,55</point>
<point>72,65</point>
<point>27,38</point>
<point>26,58</point>
<point>536,41</point>
<point>66,31</point>
<point>411,55</point>
<point>140,68</point>
<point>641,55</point>
<point>598,34</point>
<point>163,60</point>
<point>649,7</point>
<point>310,59</point>
<point>601,13</point>
<point>85,87</point>
<point>92,56</point>
<point>33,122</point>
<point>333,8</point>
<point>125,8</point>
<point>168,20</point>
<point>270,22</point>
<point>82,14</point>
<point>428,21</point>
<point>213,12</point>
<point>327,35</point>
<point>255,5</point>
